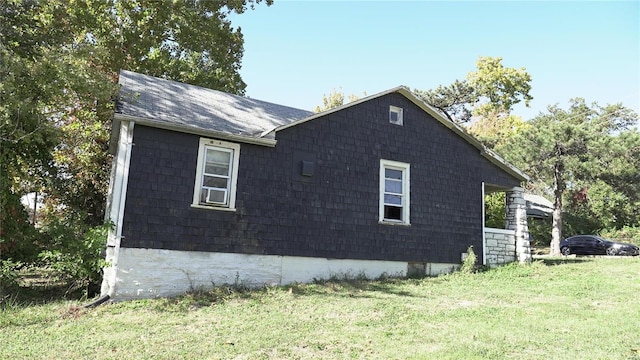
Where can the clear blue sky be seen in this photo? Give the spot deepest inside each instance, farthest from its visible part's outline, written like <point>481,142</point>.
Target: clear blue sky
<point>296,51</point>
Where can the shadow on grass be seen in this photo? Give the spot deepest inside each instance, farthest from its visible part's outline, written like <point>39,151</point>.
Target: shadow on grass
<point>38,286</point>
<point>45,291</point>
<point>354,287</point>
<point>345,288</point>
<point>554,261</point>
<point>25,296</point>
<point>576,259</point>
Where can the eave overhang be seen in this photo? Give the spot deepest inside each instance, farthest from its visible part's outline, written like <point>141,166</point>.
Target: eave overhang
<point>117,118</point>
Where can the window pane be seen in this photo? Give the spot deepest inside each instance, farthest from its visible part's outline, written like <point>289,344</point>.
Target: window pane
<point>393,186</point>
<point>393,174</point>
<point>216,182</point>
<point>217,162</point>
<point>393,199</point>
<point>218,156</point>
<point>392,213</point>
<point>216,169</point>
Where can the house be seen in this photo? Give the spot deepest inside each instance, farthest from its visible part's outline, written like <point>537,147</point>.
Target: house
<point>209,188</point>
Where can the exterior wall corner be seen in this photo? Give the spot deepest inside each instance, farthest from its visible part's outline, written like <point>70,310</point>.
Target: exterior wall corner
<point>115,206</point>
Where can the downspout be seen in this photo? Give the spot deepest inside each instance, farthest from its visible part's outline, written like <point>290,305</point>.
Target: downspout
<point>98,302</point>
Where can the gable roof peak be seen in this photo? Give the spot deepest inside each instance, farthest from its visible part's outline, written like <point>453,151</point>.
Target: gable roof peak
<point>436,114</point>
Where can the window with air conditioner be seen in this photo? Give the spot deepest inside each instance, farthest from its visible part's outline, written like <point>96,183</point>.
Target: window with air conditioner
<point>216,174</point>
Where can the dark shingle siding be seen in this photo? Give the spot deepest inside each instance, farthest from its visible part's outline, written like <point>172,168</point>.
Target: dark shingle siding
<point>333,213</point>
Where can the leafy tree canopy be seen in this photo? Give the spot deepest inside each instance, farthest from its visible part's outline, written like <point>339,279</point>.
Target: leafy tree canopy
<point>489,90</point>
<point>59,62</point>
<point>585,149</point>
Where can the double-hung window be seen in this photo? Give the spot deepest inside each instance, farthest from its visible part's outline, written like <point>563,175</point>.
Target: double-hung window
<point>216,174</point>
<point>394,192</point>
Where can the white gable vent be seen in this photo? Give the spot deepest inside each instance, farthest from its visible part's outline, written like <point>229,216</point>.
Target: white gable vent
<point>395,115</point>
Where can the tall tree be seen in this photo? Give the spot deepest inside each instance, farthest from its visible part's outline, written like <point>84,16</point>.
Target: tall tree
<point>455,101</point>
<point>563,148</point>
<point>499,88</point>
<point>610,198</point>
<point>38,64</point>
<point>187,41</point>
<point>59,61</point>
<point>492,89</point>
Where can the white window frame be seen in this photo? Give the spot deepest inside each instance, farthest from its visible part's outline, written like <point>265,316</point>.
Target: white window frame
<point>234,150</point>
<point>398,111</point>
<point>406,192</point>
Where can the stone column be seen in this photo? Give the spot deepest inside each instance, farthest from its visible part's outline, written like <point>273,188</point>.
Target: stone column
<point>517,221</point>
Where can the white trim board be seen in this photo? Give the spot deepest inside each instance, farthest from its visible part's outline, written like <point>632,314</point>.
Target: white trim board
<point>117,199</point>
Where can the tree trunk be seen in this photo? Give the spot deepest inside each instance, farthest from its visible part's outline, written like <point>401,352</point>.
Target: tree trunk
<point>558,189</point>
<point>556,228</point>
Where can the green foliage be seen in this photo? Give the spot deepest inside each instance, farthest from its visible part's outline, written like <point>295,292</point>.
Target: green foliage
<point>455,101</point>
<point>469,262</point>
<point>495,215</point>
<point>568,152</point>
<point>626,234</point>
<point>540,231</point>
<point>8,277</point>
<point>577,222</point>
<point>17,234</point>
<point>334,100</point>
<point>60,61</point>
<point>188,41</point>
<point>75,252</point>
<point>491,90</point>
<point>494,130</point>
<point>502,87</point>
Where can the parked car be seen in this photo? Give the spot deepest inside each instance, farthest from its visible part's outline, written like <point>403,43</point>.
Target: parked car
<point>595,245</point>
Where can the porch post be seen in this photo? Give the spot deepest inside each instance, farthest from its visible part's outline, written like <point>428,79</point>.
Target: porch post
<point>517,221</point>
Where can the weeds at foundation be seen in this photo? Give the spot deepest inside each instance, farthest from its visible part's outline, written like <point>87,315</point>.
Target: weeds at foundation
<point>469,262</point>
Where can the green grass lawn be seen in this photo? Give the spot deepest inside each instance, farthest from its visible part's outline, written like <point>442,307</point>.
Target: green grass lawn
<point>557,309</point>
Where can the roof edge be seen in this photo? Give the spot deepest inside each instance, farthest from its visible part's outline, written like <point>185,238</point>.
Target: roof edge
<point>336,109</point>
<point>487,153</point>
<point>262,141</point>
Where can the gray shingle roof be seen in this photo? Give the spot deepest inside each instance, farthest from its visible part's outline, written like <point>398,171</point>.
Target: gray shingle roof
<point>174,104</point>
